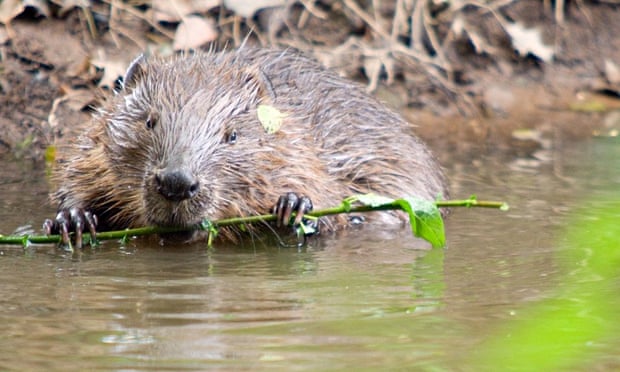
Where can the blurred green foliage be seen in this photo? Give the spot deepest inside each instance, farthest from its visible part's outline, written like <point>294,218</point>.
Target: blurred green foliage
<point>566,331</point>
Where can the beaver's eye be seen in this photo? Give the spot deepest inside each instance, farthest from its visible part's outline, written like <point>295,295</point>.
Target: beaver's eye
<point>231,137</point>
<point>151,121</point>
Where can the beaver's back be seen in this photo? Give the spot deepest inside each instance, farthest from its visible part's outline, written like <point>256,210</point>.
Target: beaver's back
<point>362,142</point>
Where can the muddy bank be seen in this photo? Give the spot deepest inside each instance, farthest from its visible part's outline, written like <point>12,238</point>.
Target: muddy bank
<point>468,76</point>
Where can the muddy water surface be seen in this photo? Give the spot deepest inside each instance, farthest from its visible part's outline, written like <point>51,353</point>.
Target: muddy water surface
<point>369,300</point>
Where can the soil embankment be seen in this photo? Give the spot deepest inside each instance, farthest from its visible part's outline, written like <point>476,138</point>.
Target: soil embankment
<point>524,64</point>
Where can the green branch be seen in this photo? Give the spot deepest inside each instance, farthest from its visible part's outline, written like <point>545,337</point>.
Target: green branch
<point>424,216</point>
<point>346,207</point>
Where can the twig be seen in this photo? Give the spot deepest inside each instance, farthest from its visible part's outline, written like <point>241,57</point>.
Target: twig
<point>212,226</point>
<point>140,15</point>
<point>417,26</point>
<point>367,18</point>
<point>434,40</point>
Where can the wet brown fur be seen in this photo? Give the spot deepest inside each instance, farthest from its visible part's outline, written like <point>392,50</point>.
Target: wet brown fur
<point>335,141</point>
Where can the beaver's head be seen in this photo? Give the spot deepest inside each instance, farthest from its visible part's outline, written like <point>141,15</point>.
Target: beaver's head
<point>183,133</point>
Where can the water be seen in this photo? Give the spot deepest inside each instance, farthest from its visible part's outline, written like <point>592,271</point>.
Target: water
<point>367,300</point>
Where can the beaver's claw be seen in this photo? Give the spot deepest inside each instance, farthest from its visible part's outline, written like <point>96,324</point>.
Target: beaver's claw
<point>72,220</point>
<point>289,203</point>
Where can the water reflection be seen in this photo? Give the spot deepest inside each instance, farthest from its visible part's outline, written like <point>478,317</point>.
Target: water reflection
<point>367,299</point>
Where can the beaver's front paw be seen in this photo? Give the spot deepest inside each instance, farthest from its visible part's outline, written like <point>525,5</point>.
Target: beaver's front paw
<point>289,203</point>
<point>303,227</point>
<point>72,220</point>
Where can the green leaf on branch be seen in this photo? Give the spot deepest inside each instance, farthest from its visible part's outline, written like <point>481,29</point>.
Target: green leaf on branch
<point>425,220</point>
<point>424,216</point>
<point>373,200</point>
<point>207,225</point>
<point>307,228</point>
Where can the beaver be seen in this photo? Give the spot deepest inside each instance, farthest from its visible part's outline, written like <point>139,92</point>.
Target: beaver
<point>181,141</point>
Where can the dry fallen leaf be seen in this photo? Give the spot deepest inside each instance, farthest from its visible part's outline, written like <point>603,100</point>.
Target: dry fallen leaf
<point>194,31</point>
<point>73,101</point>
<point>10,9</point>
<point>528,41</point>
<point>170,10</point>
<point>4,36</point>
<point>176,10</point>
<point>372,69</point>
<point>461,28</point>
<point>612,72</point>
<point>247,8</point>
<point>67,5</point>
<point>41,6</point>
<point>374,64</point>
<point>113,68</point>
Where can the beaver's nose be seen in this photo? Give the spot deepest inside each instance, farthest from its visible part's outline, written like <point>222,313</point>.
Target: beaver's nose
<point>176,185</point>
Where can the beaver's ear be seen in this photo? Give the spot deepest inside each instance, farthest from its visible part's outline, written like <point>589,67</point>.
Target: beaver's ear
<point>135,72</point>
<point>254,75</point>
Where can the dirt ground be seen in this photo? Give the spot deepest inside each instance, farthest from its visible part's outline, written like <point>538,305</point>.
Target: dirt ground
<point>505,74</point>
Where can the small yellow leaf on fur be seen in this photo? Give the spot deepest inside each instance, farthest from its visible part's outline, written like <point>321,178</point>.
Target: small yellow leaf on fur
<point>270,118</point>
